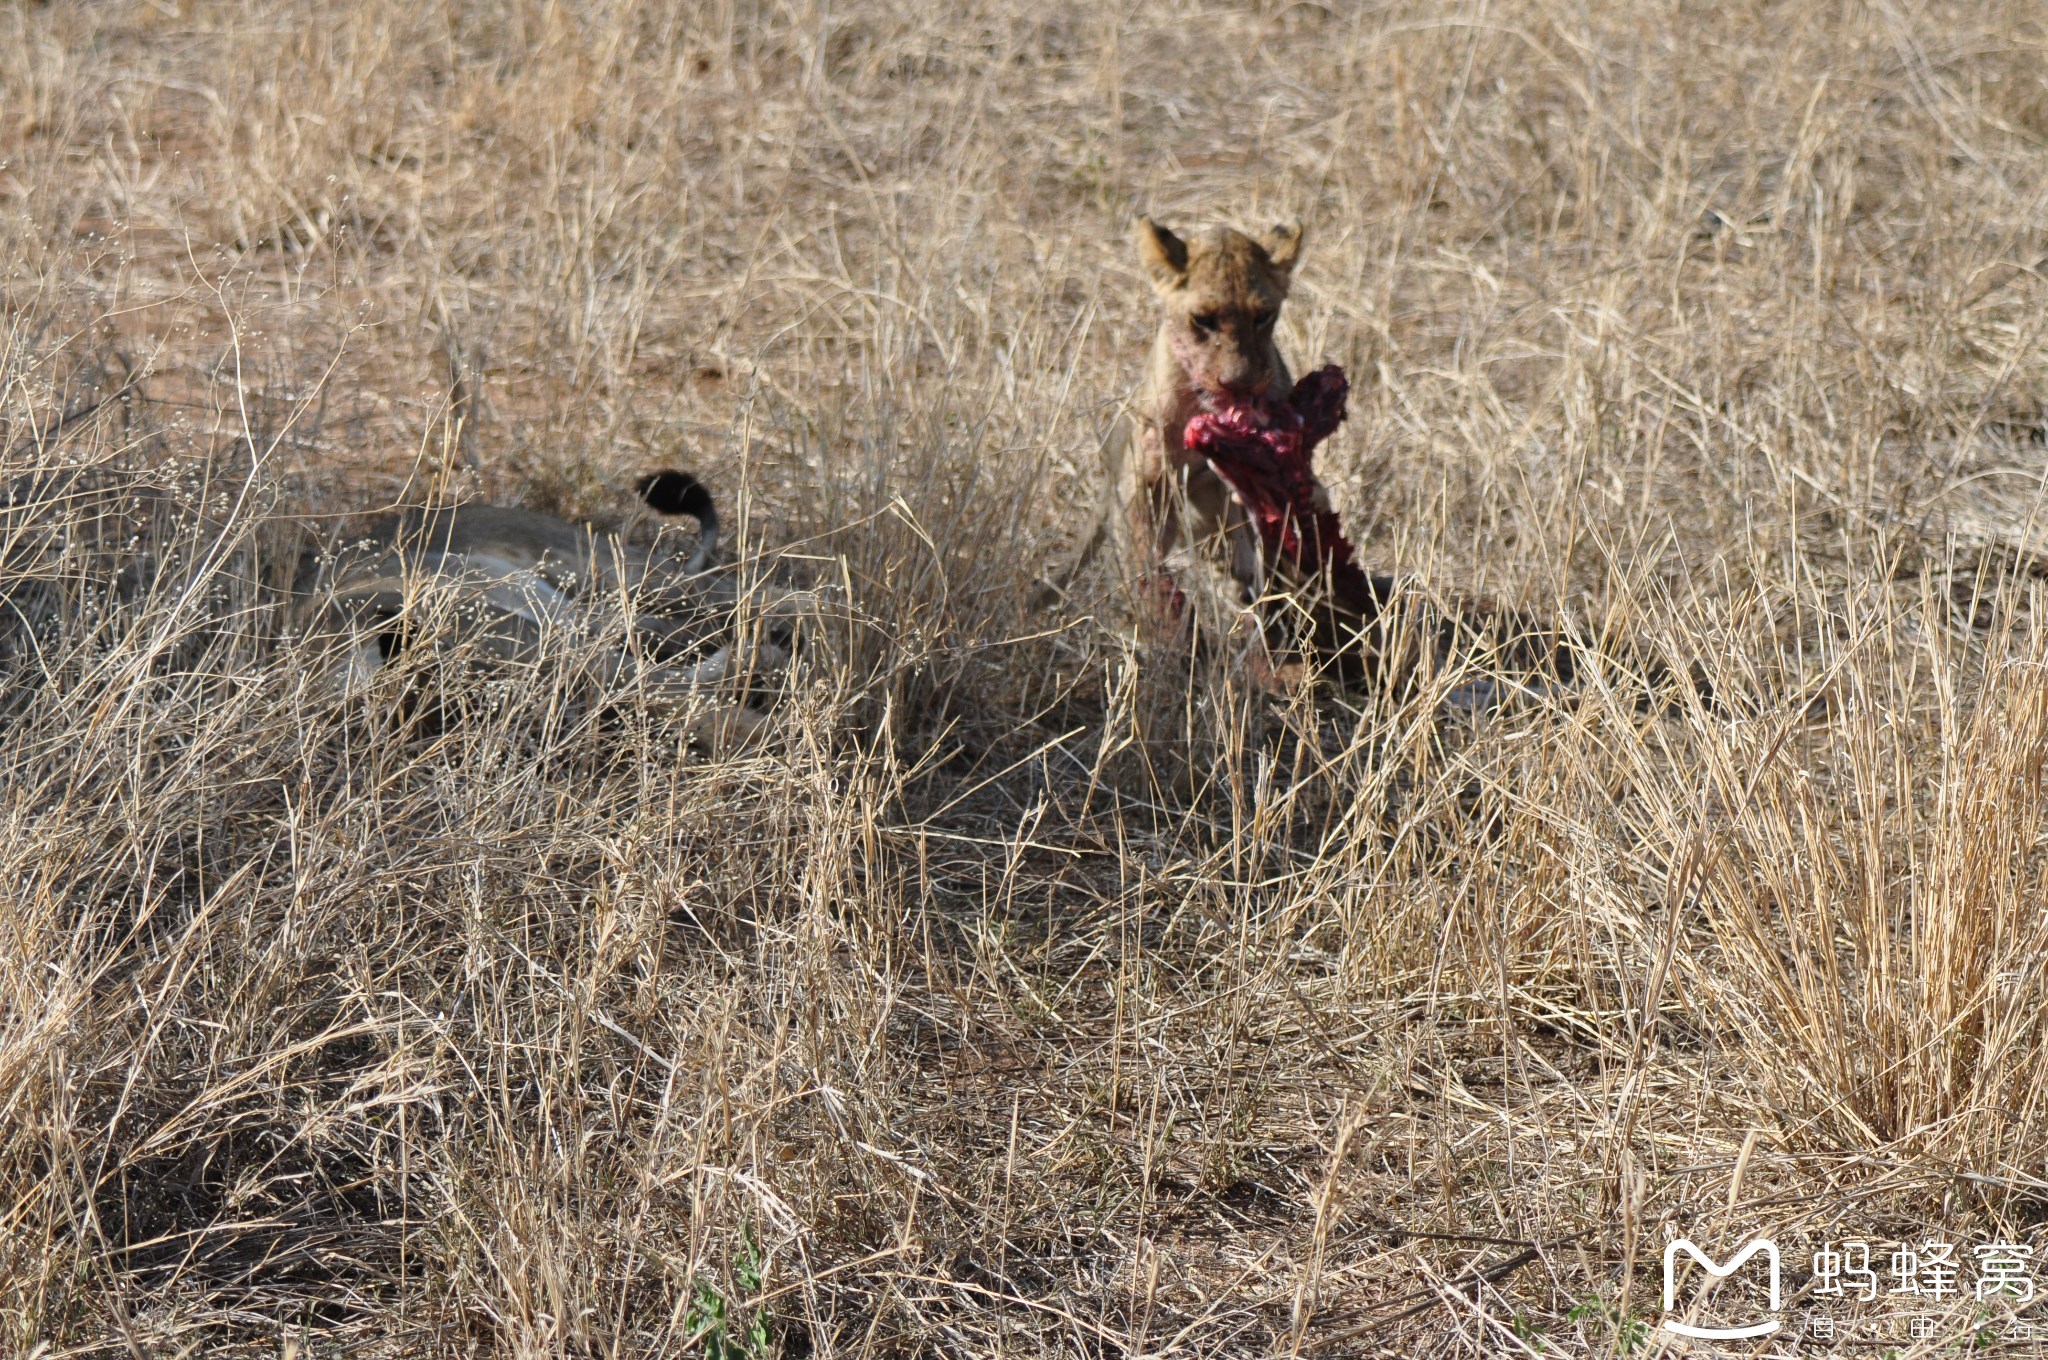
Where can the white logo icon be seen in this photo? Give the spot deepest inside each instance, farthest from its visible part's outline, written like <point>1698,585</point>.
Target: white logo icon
<point>1763,1245</point>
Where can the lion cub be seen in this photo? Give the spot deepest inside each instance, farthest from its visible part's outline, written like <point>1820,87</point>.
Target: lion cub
<point>1176,527</point>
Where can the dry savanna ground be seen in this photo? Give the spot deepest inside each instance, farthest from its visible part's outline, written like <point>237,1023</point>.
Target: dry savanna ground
<point>1021,989</point>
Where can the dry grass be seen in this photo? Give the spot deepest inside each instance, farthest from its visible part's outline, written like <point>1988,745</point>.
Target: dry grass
<point>955,1018</point>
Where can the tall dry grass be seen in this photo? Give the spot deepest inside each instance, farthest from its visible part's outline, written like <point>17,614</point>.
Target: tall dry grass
<point>1023,991</point>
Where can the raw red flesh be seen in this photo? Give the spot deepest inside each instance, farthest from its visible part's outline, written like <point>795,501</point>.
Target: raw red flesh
<point>1263,452</point>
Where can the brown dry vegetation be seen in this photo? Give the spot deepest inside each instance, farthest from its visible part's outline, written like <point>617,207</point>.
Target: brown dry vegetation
<point>1018,994</point>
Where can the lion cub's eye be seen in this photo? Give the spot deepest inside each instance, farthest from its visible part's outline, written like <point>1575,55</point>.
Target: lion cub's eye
<point>1205,322</point>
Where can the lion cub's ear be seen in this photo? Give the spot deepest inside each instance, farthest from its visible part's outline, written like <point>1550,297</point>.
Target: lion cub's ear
<point>1283,245</point>
<point>1165,255</point>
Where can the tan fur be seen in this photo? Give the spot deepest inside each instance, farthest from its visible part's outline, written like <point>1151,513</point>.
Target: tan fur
<point>1220,294</point>
<point>505,582</point>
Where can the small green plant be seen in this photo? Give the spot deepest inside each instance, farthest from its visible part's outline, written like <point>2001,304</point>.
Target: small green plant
<point>715,1322</point>
<point>1631,1332</point>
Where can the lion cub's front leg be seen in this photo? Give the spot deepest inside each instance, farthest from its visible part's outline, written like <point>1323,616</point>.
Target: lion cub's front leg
<point>1193,559</point>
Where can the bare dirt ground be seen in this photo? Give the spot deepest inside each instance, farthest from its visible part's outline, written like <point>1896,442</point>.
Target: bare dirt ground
<point>1021,991</point>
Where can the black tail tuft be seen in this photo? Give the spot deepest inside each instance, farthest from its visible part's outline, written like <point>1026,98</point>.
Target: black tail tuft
<point>670,492</point>
<point>676,493</point>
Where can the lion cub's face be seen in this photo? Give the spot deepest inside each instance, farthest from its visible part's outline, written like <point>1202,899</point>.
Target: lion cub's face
<point>1222,291</point>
